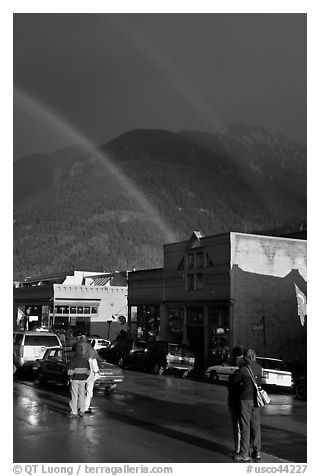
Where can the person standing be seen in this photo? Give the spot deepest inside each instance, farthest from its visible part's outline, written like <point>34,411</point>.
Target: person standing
<point>78,371</point>
<point>91,354</point>
<point>234,402</point>
<point>249,410</point>
<point>62,337</point>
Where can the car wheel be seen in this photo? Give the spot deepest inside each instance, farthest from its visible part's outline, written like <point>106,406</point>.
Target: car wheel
<point>110,388</point>
<point>301,391</point>
<point>41,378</point>
<point>214,378</point>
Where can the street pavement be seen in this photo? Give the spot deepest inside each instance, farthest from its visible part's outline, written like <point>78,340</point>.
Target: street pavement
<point>148,419</point>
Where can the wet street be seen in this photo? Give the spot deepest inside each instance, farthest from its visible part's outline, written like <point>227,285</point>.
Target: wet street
<point>148,419</point>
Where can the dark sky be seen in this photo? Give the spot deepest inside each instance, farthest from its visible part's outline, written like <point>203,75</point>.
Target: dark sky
<point>108,73</point>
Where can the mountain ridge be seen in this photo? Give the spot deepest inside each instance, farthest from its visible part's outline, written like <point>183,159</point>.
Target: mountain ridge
<point>71,212</point>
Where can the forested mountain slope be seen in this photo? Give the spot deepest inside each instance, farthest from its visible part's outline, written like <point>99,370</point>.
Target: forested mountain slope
<point>73,210</point>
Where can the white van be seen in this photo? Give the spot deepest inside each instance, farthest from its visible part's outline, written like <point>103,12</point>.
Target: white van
<point>29,346</point>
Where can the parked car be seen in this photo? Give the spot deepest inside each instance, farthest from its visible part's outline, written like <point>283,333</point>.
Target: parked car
<point>300,388</point>
<point>273,372</point>
<point>115,353</point>
<point>98,343</point>
<point>28,346</point>
<point>179,357</point>
<point>150,357</point>
<point>54,367</point>
<point>216,373</point>
<point>153,356</point>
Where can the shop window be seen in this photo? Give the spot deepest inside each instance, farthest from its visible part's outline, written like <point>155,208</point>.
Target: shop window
<point>175,325</point>
<point>148,321</point>
<point>61,321</point>
<point>195,315</point>
<point>218,332</point>
<point>218,347</point>
<point>94,310</point>
<point>218,317</point>
<point>79,310</point>
<point>86,310</point>
<point>82,318</point>
<point>73,310</point>
<point>65,310</point>
<point>83,325</point>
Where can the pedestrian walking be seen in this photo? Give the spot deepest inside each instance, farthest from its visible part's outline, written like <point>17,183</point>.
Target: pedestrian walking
<point>234,402</point>
<point>78,371</point>
<point>91,354</point>
<point>249,410</point>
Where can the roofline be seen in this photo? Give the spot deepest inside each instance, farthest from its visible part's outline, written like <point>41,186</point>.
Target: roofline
<point>146,270</point>
<point>268,236</point>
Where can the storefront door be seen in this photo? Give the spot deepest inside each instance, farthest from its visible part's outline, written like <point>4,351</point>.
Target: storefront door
<point>195,335</point>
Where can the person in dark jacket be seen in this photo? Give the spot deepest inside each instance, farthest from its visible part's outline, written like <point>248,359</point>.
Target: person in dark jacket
<point>78,371</point>
<point>249,410</point>
<point>234,406</point>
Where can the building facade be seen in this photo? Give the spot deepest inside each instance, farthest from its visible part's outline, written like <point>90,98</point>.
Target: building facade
<point>218,291</point>
<point>82,302</point>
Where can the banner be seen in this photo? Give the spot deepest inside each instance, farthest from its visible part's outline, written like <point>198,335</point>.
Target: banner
<point>302,304</point>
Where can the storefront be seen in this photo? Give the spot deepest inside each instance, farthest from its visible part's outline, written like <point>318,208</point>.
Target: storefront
<point>213,291</point>
<point>183,309</point>
<point>79,303</point>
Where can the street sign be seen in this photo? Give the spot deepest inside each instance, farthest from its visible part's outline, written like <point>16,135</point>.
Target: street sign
<point>257,327</point>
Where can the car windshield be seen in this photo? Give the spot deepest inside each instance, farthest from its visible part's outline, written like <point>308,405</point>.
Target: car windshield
<point>42,341</point>
<point>139,346</point>
<point>176,349</point>
<point>103,342</point>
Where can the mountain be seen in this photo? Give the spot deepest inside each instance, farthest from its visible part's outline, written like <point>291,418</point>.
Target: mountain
<point>265,160</point>
<point>114,208</point>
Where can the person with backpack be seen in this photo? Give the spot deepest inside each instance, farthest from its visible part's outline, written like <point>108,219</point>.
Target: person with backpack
<point>249,410</point>
<point>78,372</point>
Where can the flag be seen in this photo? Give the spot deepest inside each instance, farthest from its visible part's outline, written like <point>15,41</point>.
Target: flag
<point>302,304</point>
